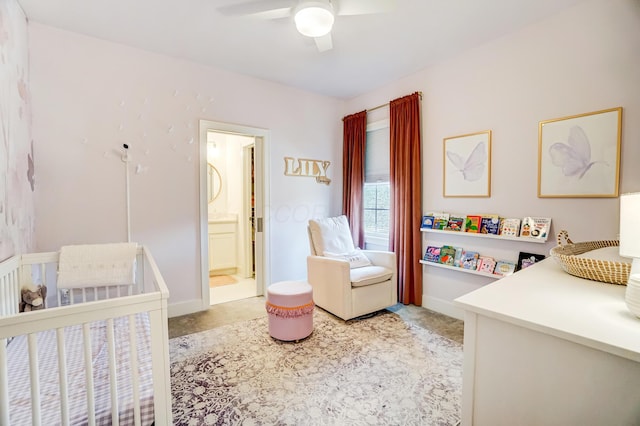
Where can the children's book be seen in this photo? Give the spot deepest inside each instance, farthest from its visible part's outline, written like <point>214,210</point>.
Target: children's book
<point>469,260</point>
<point>427,222</point>
<point>528,259</point>
<point>458,256</point>
<point>440,219</point>
<point>455,224</point>
<point>504,267</point>
<point>447,255</point>
<point>441,215</point>
<point>490,224</point>
<point>472,223</point>
<point>432,254</point>
<point>486,264</point>
<point>439,223</point>
<point>510,227</point>
<point>535,227</point>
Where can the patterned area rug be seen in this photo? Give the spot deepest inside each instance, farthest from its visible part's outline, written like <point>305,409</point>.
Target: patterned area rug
<point>374,371</point>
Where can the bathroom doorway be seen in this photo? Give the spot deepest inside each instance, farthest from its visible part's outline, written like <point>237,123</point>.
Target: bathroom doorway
<point>233,255</point>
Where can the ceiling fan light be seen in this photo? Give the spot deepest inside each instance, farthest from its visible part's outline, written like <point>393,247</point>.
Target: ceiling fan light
<point>315,20</point>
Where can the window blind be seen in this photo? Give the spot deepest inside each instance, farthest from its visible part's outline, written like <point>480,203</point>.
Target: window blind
<point>376,159</point>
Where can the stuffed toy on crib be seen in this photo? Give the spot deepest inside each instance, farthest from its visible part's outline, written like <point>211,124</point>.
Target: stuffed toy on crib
<point>32,300</point>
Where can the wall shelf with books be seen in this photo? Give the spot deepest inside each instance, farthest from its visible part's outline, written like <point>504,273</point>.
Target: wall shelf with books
<point>468,271</point>
<point>529,229</point>
<point>472,258</point>
<point>478,235</point>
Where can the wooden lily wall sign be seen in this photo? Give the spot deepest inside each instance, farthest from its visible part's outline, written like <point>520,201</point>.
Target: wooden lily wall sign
<point>307,168</point>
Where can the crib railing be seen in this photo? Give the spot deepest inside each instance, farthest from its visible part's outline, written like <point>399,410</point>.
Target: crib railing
<point>9,286</point>
<point>99,304</point>
<point>40,268</point>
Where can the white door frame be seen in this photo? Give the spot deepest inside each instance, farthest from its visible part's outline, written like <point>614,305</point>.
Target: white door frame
<point>261,137</point>
<point>248,255</point>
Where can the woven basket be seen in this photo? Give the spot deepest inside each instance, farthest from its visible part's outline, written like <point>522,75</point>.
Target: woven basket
<point>592,269</point>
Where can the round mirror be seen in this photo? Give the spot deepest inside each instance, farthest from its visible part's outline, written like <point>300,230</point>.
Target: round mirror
<point>214,182</point>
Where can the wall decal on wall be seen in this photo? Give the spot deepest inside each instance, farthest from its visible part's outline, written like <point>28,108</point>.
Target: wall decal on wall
<point>307,167</point>
<point>141,169</point>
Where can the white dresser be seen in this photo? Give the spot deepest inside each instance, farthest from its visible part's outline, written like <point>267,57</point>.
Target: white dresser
<point>542,347</point>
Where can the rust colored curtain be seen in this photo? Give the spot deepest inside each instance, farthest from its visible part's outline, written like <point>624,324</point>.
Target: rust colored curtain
<point>354,139</point>
<point>406,194</point>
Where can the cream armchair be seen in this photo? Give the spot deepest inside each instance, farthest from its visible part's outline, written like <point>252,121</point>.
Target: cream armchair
<point>346,281</point>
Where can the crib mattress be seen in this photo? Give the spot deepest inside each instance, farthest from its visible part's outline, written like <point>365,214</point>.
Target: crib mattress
<point>19,386</point>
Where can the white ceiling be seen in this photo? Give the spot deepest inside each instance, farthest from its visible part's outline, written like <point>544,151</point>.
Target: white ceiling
<point>369,51</point>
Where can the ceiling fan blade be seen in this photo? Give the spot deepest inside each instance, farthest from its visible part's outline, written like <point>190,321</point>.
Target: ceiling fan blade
<point>324,43</point>
<point>263,9</point>
<point>364,7</point>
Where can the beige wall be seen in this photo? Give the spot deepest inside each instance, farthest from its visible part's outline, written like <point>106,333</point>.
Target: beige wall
<point>584,59</point>
<point>91,96</point>
<point>17,181</point>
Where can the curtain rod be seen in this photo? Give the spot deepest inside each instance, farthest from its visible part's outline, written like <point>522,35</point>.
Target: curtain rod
<point>384,105</point>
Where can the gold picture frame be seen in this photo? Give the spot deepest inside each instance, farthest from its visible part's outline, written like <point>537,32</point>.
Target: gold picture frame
<point>214,183</point>
<point>466,170</point>
<point>579,155</point>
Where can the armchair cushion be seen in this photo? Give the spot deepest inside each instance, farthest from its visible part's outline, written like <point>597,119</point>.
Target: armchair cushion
<point>356,259</point>
<point>331,235</point>
<point>368,275</point>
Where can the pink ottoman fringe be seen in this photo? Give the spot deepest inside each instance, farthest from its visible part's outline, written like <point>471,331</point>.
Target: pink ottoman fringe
<point>290,312</point>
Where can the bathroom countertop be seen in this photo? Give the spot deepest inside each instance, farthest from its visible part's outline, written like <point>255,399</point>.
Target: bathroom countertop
<point>223,218</point>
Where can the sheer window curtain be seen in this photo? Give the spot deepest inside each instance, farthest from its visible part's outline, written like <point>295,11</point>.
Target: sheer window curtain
<point>406,194</point>
<point>353,150</point>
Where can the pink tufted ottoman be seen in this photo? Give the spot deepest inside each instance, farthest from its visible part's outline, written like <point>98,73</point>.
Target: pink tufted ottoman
<point>290,308</point>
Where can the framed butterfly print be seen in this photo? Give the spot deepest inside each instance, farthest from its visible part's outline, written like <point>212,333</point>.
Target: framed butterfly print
<point>579,156</point>
<point>467,165</point>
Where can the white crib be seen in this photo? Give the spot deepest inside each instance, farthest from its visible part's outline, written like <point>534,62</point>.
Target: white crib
<point>101,356</point>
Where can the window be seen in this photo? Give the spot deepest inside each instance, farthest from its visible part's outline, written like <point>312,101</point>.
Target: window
<point>377,189</point>
<point>376,209</point>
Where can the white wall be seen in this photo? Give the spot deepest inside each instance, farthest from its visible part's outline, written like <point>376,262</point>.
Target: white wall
<point>584,59</point>
<point>17,212</point>
<point>91,96</point>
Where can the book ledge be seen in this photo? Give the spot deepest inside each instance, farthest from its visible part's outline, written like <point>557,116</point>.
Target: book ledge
<point>479,235</point>
<point>468,271</point>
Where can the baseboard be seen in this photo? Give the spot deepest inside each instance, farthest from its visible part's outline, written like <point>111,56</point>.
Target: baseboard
<point>184,308</point>
<point>442,306</point>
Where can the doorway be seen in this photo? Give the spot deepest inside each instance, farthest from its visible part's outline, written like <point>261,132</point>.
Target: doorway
<point>233,223</point>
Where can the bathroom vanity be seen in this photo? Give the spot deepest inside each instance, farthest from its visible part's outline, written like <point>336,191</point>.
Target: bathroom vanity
<point>223,237</point>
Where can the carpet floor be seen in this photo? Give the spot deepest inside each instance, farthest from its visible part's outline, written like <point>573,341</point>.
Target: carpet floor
<point>378,370</point>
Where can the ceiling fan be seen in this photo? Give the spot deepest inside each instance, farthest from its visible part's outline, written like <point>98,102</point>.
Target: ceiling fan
<point>313,18</point>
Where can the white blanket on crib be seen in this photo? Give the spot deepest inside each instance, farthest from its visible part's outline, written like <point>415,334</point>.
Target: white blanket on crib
<point>95,265</point>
